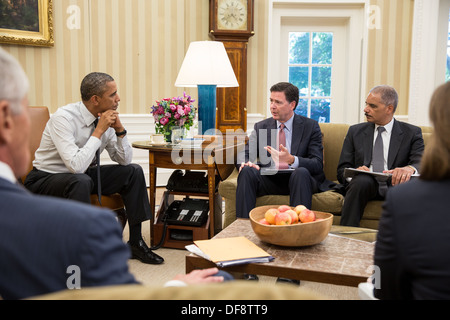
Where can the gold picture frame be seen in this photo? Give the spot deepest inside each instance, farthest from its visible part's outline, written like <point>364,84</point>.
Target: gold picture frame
<point>42,36</point>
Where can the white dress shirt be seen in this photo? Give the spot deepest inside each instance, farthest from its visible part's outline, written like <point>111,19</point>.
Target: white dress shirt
<point>7,173</point>
<point>67,144</point>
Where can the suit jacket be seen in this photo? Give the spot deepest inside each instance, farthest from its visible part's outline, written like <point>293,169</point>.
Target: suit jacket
<point>306,145</point>
<point>413,244</point>
<point>41,237</point>
<point>406,147</point>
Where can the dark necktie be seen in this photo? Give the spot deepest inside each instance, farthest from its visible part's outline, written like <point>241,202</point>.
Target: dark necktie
<point>97,164</point>
<point>282,140</point>
<point>378,160</point>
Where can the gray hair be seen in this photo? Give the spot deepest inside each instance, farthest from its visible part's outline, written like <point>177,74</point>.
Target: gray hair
<point>14,84</point>
<point>94,84</point>
<point>388,94</point>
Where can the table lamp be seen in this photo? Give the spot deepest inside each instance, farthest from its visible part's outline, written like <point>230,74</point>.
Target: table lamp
<point>206,66</point>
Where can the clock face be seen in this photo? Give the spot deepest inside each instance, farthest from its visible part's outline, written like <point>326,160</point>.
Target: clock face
<point>232,15</point>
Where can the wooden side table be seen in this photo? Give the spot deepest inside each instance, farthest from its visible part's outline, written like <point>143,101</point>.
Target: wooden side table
<point>213,157</point>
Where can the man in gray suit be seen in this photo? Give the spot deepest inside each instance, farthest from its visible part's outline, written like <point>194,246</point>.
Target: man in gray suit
<point>402,146</point>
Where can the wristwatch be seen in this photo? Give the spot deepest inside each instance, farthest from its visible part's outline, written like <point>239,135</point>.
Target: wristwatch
<point>122,133</point>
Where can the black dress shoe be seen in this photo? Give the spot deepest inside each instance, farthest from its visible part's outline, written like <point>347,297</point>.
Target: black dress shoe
<point>291,281</point>
<point>143,253</point>
<point>252,277</point>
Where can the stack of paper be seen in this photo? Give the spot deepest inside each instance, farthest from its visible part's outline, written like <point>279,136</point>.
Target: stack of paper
<point>229,251</point>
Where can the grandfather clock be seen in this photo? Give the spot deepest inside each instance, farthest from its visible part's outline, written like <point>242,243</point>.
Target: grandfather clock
<point>232,23</point>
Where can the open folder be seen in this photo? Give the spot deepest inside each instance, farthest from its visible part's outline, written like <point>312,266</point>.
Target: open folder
<point>229,251</point>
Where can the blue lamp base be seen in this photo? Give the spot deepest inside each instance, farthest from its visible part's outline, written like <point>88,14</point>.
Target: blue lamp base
<point>207,101</point>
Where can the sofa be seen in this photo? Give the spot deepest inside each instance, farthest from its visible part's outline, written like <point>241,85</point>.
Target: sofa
<point>329,201</point>
<point>228,291</point>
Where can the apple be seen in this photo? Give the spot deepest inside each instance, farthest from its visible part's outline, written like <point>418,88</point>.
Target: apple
<point>284,208</point>
<point>307,216</point>
<point>270,215</point>
<point>299,208</point>
<point>264,221</point>
<point>294,216</point>
<point>283,219</point>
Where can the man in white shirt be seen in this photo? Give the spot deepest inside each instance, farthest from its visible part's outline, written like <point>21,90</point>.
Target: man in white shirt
<point>402,146</point>
<point>65,162</point>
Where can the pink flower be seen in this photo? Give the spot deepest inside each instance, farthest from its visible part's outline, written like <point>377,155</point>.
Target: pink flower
<point>173,107</point>
<point>164,121</point>
<point>177,116</point>
<point>187,109</point>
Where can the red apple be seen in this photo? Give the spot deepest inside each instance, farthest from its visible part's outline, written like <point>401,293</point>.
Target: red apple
<point>283,219</point>
<point>270,215</point>
<point>264,221</point>
<point>294,216</point>
<point>299,208</point>
<point>307,216</point>
<point>284,208</point>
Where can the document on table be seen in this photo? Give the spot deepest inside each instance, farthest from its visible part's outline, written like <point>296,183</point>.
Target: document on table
<point>229,251</point>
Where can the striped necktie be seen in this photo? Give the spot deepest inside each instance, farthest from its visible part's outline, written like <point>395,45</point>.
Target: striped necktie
<point>282,140</point>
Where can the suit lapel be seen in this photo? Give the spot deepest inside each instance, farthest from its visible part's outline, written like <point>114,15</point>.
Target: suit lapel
<point>368,144</point>
<point>272,128</point>
<point>394,145</point>
<point>297,134</point>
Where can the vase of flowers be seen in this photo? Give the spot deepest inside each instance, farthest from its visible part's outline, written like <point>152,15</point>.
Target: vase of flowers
<point>173,112</point>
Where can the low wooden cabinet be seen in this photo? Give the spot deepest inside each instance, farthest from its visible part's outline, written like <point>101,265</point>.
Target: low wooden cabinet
<point>214,158</point>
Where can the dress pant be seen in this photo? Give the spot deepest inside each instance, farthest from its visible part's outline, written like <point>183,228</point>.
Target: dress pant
<point>128,181</point>
<point>299,185</point>
<point>360,190</point>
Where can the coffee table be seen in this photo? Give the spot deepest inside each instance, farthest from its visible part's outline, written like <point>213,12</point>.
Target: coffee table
<point>337,260</point>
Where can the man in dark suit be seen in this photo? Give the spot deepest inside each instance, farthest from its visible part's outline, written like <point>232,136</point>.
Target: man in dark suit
<point>301,154</point>
<point>49,244</point>
<point>402,146</point>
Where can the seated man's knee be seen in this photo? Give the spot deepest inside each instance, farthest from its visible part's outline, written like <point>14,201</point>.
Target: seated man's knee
<point>81,180</point>
<point>79,187</point>
<point>300,173</point>
<point>248,172</point>
<point>361,181</point>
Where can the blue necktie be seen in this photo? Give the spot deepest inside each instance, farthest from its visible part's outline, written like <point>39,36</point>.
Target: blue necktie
<point>97,163</point>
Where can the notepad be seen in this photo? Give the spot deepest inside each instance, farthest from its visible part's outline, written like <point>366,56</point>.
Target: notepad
<point>230,251</point>
<point>350,173</point>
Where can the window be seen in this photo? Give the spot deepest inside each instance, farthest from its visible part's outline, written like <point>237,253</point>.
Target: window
<point>310,69</point>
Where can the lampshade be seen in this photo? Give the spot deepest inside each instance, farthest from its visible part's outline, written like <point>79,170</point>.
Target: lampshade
<point>206,63</point>
<point>206,66</point>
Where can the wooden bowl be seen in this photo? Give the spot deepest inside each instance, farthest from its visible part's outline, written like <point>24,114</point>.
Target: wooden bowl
<point>296,235</point>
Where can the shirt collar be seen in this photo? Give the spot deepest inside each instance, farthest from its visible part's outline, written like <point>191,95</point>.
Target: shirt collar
<point>7,173</point>
<point>388,127</point>
<point>287,124</point>
<point>87,116</point>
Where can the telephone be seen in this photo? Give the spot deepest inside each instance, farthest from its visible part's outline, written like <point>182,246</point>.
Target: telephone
<point>188,212</point>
